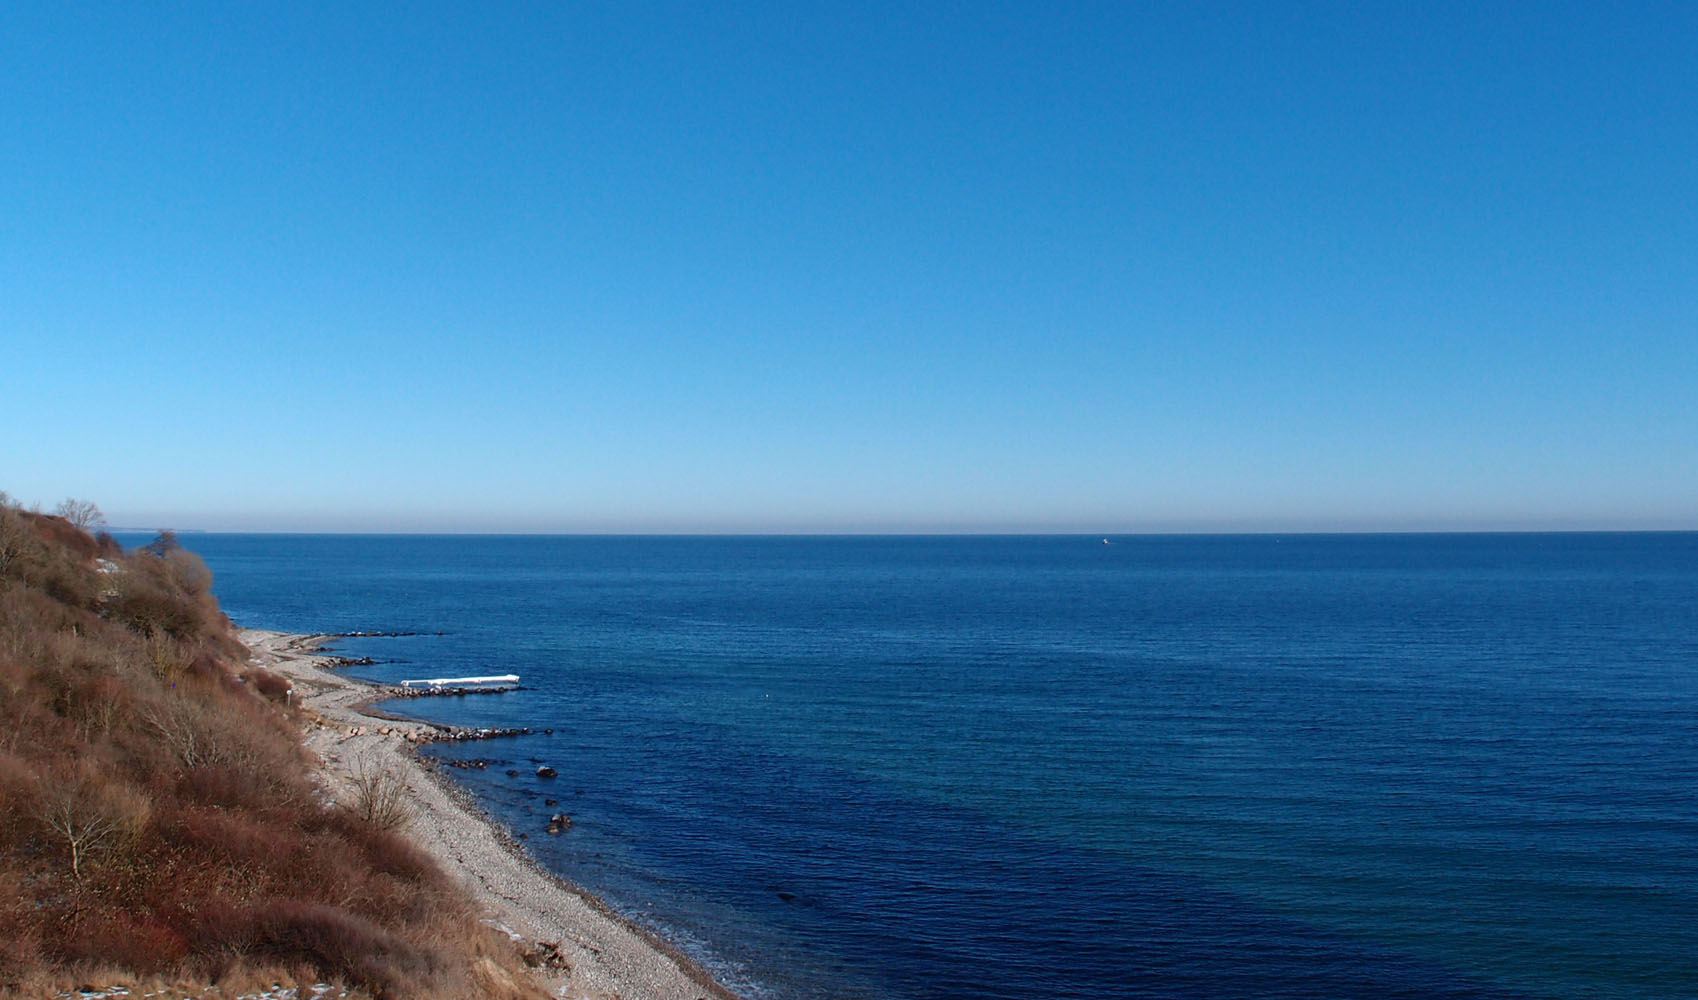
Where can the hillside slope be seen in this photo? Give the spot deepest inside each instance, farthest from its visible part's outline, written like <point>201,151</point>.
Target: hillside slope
<point>159,820</point>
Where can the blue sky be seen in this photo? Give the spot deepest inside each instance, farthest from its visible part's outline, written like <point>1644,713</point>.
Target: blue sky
<point>861,267</point>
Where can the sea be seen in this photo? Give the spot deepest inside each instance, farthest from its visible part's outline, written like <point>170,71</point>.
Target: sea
<point>1236,766</point>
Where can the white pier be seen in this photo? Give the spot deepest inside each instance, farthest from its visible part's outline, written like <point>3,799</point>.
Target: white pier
<point>494,682</point>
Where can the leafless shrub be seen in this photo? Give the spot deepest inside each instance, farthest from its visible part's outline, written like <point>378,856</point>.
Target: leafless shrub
<point>166,659</point>
<point>180,726</point>
<point>101,706</point>
<point>379,796</point>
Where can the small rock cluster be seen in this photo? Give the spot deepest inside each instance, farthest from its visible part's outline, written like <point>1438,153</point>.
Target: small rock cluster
<point>445,692</point>
<point>463,735</point>
<point>545,954</point>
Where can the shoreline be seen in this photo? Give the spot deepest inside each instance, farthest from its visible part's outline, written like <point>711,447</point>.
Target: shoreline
<point>606,956</point>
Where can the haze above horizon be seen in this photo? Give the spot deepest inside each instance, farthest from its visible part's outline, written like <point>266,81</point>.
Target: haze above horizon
<point>1104,268</point>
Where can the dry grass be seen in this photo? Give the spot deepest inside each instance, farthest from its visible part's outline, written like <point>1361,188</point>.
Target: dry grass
<point>157,820</point>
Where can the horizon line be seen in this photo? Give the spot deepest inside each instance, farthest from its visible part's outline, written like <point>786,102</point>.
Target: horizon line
<point>989,533</point>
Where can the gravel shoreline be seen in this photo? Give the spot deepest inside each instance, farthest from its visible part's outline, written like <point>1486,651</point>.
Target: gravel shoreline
<point>606,957</point>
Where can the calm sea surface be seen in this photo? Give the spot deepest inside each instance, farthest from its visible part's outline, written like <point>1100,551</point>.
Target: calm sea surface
<point>1179,767</point>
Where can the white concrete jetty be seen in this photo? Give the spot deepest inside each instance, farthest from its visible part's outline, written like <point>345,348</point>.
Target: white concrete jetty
<point>459,685</point>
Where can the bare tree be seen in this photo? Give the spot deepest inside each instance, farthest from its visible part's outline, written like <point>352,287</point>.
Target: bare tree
<point>181,725</point>
<point>14,537</point>
<point>82,513</point>
<point>90,818</point>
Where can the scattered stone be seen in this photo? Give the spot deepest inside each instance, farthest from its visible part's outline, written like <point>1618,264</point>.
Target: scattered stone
<point>395,691</point>
<point>546,772</point>
<point>450,734</point>
<point>545,954</point>
<point>512,772</point>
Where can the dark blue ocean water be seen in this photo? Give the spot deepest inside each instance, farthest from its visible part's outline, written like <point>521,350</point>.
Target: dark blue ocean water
<point>1178,767</point>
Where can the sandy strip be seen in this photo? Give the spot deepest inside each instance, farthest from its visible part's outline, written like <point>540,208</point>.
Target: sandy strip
<point>607,957</point>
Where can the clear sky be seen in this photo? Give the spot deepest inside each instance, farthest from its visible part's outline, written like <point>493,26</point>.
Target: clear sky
<point>785,266</point>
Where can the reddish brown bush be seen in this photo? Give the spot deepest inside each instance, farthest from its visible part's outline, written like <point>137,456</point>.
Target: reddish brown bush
<point>58,532</point>
<point>272,686</point>
<point>206,665</point>
<point>336,944</point>
<point>142,946</point>
<point>49,555</point>
<point>145,599</point>
<point>392,854</point>
<point>107,546</point>
<point>225,787</point>
<point>188,571</point>
<point>19,796</point>
<point>20,941</point>
<point>236,837</point>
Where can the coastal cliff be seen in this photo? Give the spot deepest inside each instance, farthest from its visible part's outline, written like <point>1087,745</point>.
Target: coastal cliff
<point>160,820</point>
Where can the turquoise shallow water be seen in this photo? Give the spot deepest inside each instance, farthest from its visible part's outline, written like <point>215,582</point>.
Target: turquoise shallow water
<point>1244,766</point>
